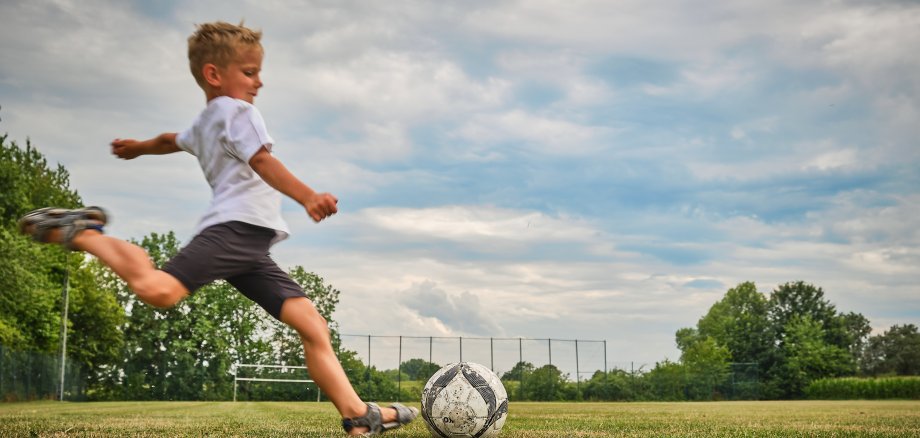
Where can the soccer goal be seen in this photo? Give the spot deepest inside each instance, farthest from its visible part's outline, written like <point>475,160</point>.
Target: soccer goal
<point>283,368</point>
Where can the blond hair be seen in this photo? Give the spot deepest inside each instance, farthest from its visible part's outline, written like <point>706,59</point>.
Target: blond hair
<point>219,43</point>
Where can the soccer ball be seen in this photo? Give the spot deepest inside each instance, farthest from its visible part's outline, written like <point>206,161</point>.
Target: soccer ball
<point>464,400</point>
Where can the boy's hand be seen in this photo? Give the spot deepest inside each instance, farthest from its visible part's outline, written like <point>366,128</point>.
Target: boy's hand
<point>321,206</point>
<point>126,149</point>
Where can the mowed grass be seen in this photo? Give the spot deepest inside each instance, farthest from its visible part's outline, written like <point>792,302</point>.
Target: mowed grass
<point>277,419</point>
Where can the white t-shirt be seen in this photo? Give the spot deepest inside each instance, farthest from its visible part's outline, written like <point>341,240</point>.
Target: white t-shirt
<point>224,138</point>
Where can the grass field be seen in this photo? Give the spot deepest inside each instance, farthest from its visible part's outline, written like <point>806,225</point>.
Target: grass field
<point>266,419</point>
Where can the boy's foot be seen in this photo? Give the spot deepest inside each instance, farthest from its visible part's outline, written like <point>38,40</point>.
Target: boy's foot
<point>61,225</point>
<point>373,419</point>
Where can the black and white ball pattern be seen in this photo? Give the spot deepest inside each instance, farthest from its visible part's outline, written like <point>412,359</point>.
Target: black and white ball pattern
<point>464,399</point>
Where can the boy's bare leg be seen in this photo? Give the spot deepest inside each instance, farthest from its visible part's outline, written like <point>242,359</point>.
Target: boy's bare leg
<point>322,364</point>
<point>132,264</point>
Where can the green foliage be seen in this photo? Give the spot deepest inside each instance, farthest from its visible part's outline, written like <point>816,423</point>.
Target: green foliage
<point>614,385</point>
<point>897,351</point>
<point>739,323</point>
<point>814,340</point>
<point>518,371</point>
<point>30,294</point>
<point>547,383</point>
<point>852,388</point>
<point>808,356</point>
<point>27,183</point>
<point>419,369</point>
<point>93,339</point>
<point>707,362</point>
<point>666,381</point>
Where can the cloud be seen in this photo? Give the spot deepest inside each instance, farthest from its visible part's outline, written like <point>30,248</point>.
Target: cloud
<point>461,314</point>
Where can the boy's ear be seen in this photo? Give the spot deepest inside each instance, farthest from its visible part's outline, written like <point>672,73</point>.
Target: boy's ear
<point>211,74</point>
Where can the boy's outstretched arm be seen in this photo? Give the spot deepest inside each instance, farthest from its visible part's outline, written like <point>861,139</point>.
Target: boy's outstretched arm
<point>162,144</point>
<point>318,205</point>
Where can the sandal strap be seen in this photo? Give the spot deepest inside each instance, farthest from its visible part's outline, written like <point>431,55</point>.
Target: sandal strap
<point>76,227</point>
<point>404,415</point>
<point>373,420</point>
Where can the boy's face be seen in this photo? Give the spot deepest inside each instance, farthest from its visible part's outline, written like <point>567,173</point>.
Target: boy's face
<point>240,78</point>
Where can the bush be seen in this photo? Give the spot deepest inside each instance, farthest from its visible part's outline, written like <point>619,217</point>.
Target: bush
<point>850,388</point>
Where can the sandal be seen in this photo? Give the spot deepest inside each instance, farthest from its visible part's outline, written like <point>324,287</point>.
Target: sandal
<point>39,223</point>
<point>374,421</point>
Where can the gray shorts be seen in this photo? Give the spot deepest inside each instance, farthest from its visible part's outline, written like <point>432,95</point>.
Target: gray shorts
<point>236,252</point>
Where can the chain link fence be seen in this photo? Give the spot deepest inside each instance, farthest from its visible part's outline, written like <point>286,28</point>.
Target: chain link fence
<point>543,369</point>
<point>36,376</point>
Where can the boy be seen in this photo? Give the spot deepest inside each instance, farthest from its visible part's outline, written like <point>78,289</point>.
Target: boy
<point>233,238</point>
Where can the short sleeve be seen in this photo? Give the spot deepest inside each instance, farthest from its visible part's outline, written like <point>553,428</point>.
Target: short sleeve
<point>184,140</point>
<point>246,133</point>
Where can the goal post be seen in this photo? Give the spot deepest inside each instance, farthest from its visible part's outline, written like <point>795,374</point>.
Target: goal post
<point>237,378</point>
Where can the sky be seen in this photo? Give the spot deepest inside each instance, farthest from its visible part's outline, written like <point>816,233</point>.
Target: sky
<point>582,169</point>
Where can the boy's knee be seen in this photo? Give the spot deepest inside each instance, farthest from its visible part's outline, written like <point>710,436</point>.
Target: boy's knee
<point>159,291</point>
<point>300,314</point>
<point>164,298</point>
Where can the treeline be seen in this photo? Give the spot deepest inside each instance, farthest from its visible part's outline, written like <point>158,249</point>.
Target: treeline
<point>748,345</point>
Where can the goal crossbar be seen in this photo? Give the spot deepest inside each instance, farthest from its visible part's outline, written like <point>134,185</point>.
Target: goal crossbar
<point>237,379</point>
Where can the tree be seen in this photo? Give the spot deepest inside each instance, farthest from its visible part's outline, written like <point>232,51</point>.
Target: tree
<point>857,329</point>
<point>707,366</point>
<point>808,356</point>
<point>546,383</point>
<point>667,381</point>
<point>897,351</point>
<point>615,385</point>
<point>32,275</point>
<point>736,329</point>
<point>93,339</point>
<point>419,369</point>
<point>27,183</point>
<point>798,299</point>
<point>740,323</point>
<point>519,371</point>
<point>799,314</point>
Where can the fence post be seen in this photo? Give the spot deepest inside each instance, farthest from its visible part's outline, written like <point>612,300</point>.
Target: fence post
<point>577,370</point>
<point>521,368</point>
<point>491,355</point>
<point>399,371</point>
<point>606,373</point>
<point>66,298</point>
